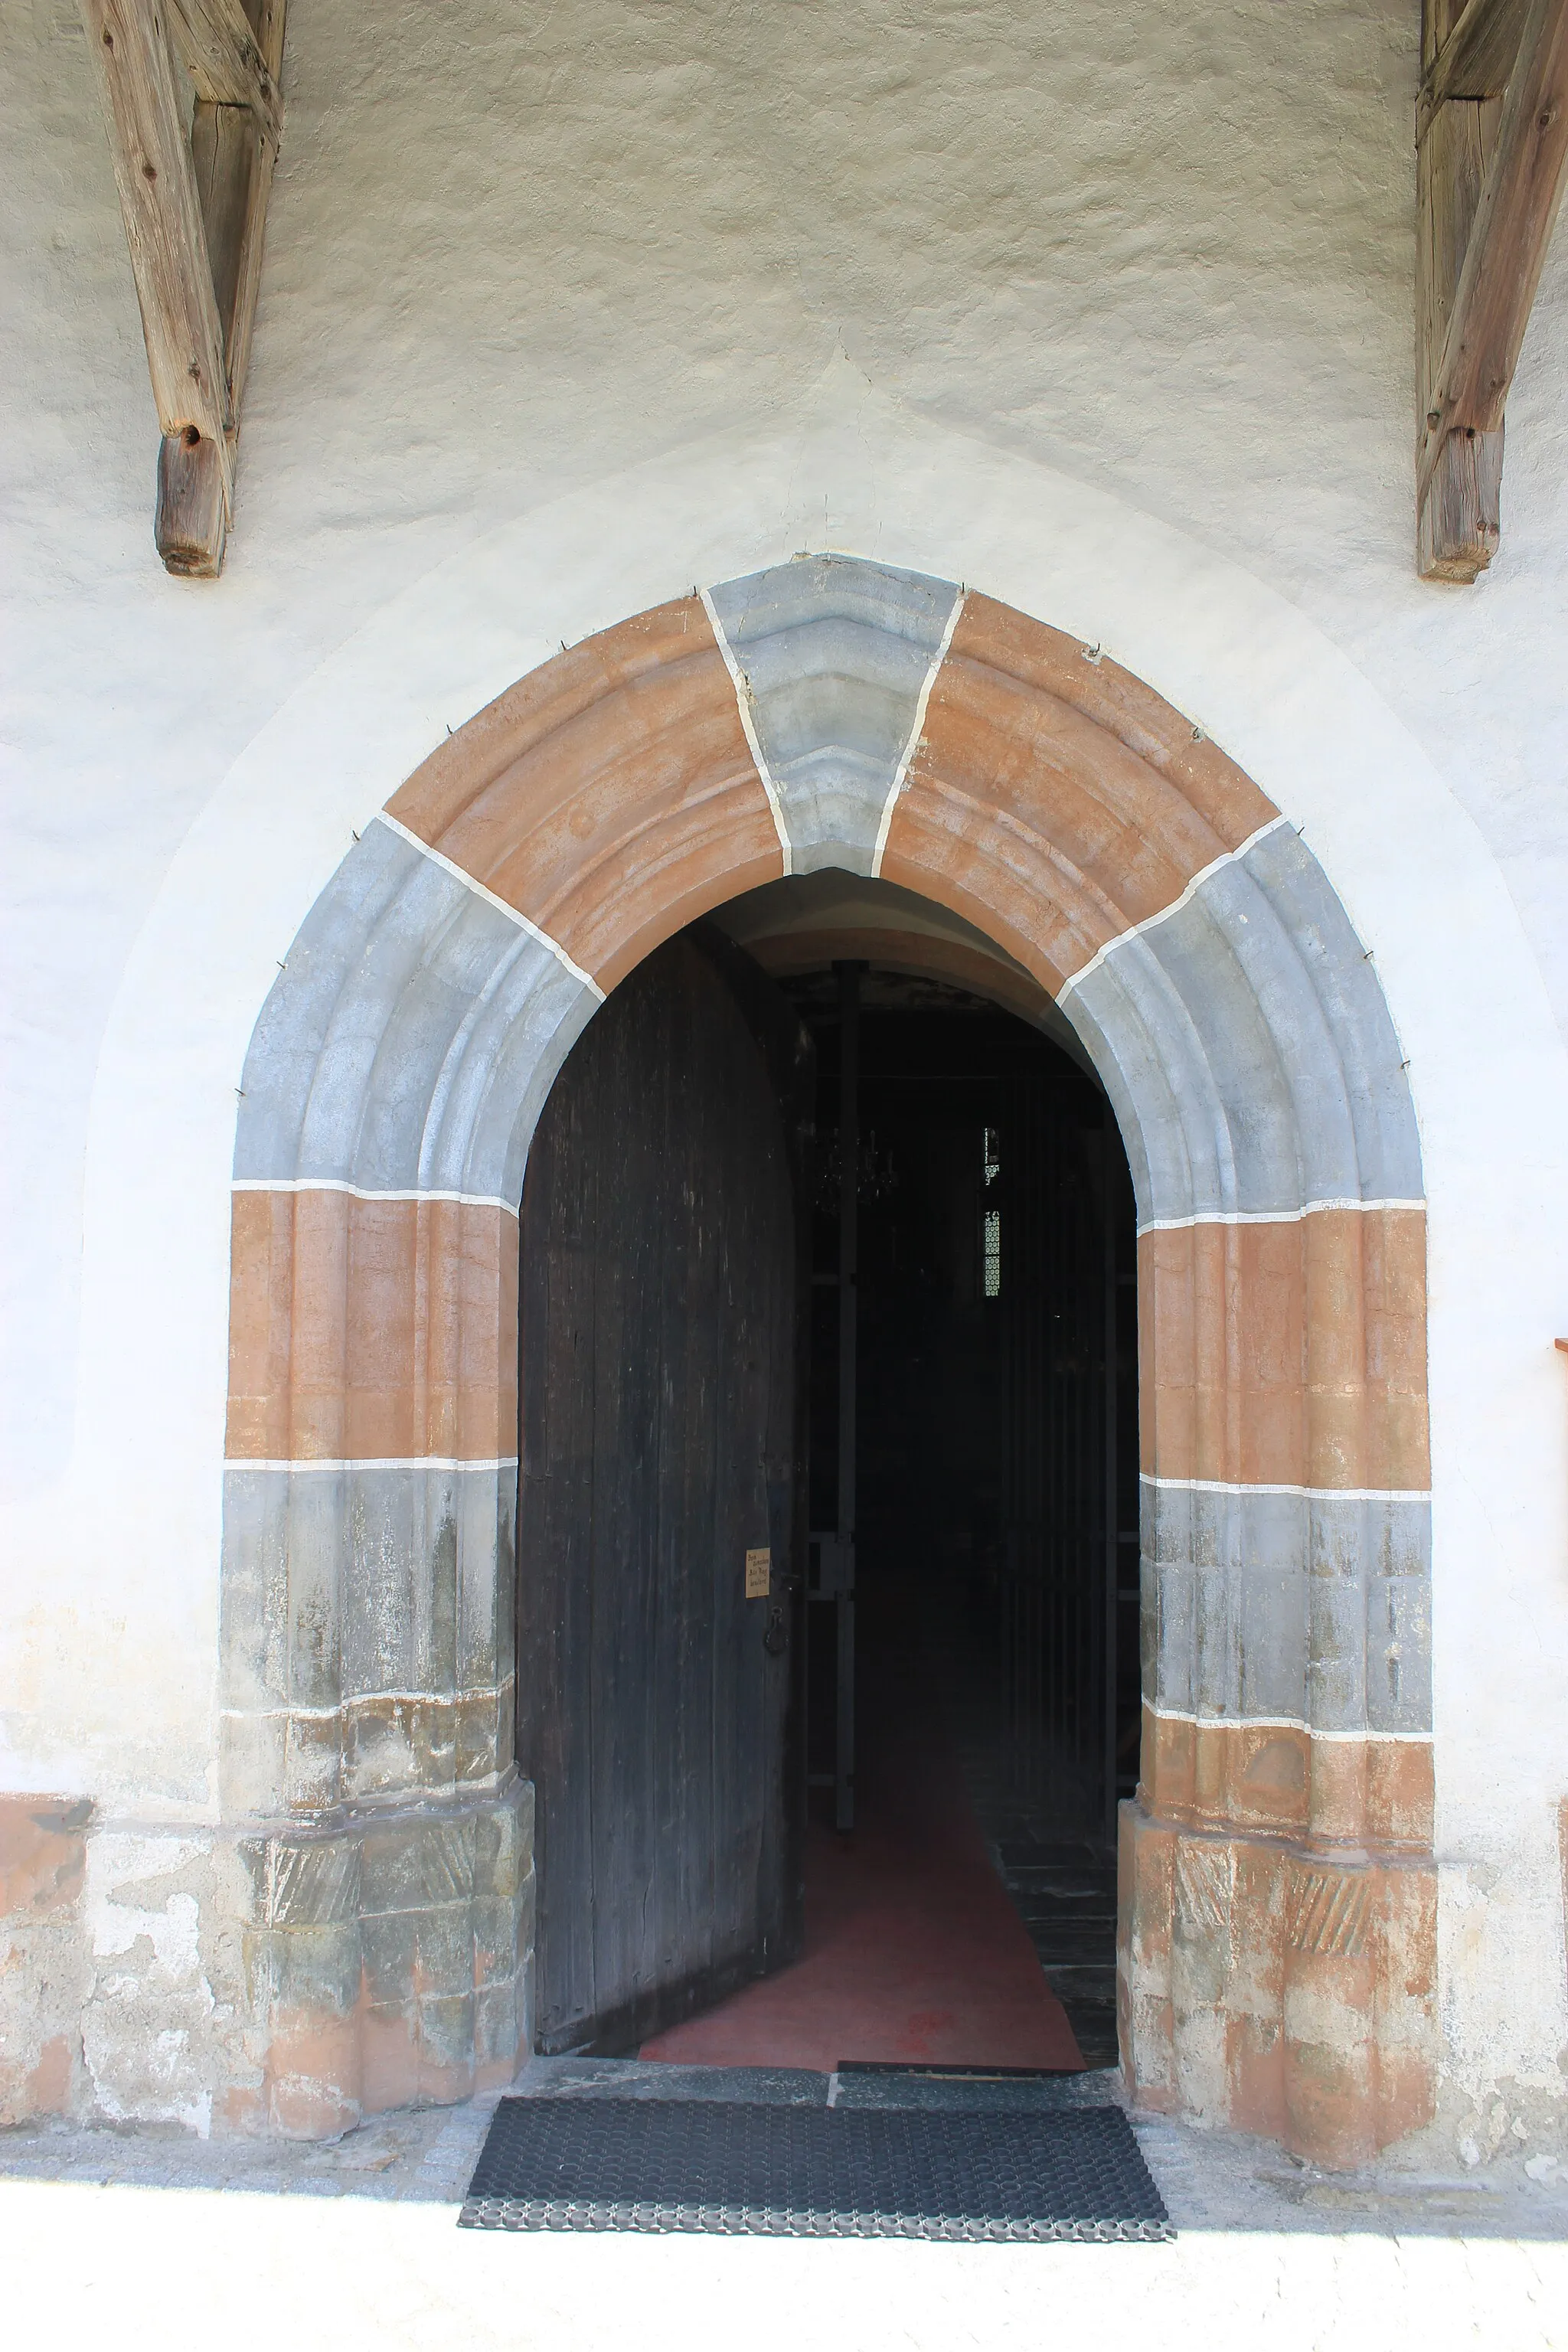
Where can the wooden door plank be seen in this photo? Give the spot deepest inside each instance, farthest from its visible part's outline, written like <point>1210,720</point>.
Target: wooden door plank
<point>790,1060</point>
<point>745,1229</point>
<point>669,1880</point>
<point>690,1474</point>
<point>556,1536</point>
<point>627,1436</point>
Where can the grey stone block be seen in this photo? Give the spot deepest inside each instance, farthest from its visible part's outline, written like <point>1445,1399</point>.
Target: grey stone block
<point>446,2027</point>
<point>418,1861</point>
<point>411,1038</point>
<point>834,652</point>
<point>306,1970</point>
<point>305,1882</point>
<point>389,1946</point>
<point>498,2023</point>
<point>1251,1069</point>
<point>444,1952</point>
<point>1260,1603</point>
<point>495,1921</point>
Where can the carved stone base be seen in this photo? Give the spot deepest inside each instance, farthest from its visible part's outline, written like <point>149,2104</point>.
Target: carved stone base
<point>1278,1990</point>
<point>386,1962</point>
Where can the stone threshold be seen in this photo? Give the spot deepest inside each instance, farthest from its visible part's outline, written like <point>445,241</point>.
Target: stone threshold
<point>1212,2181</point>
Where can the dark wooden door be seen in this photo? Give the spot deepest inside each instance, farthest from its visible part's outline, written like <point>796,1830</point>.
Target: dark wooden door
<point>657,1704</point>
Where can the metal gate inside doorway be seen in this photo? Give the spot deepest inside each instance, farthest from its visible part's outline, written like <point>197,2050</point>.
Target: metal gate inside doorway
<point>1067,1599</point>
<point>974,1398</point>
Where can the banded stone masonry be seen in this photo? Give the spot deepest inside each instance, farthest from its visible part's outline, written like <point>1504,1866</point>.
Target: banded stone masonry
<point>1277,1913</point>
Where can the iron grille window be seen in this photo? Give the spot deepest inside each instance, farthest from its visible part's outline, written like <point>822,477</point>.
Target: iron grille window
<point>991,1232</point>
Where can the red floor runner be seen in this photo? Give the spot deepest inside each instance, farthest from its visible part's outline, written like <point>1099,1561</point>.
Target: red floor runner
<point>913,1950</point>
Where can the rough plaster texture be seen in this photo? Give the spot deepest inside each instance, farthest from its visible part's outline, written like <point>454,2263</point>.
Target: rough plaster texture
<point>1107,308</point>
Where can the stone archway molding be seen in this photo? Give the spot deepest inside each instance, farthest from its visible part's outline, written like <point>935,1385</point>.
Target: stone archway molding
<point>1279,1901</point>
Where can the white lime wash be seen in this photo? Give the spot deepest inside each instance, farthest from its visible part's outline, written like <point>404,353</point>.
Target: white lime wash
<point>1104,310</point>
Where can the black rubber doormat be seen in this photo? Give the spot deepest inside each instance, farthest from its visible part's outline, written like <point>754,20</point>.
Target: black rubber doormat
<point>736,2169</point>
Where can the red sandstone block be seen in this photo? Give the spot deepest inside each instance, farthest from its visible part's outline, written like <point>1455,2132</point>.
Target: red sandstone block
<point>43,1853</point>
<point>389,2053</point>
<point>314,2075</point>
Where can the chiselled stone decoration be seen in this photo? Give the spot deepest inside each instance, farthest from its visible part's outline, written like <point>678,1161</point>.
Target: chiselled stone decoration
<point>1277,1908</point>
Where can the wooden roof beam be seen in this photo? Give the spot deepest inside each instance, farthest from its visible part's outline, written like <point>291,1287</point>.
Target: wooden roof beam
<point>1474,60</point>
<point>194,186</point>
<point>218,47</point>
<point>1490,177</point>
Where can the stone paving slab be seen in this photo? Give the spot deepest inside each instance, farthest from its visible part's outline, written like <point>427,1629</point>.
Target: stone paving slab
<point>1211,2182</point>
<point>426,2156</point>
<point>179,2267</point>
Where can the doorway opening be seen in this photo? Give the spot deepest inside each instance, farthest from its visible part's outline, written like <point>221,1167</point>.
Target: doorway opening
<point>989,1635</point>
<point>391,1098</point>
<point>952,1694</point>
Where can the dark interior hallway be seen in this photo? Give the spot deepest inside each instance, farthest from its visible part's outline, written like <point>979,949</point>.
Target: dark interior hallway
<point>968,1915</point>
<point>914,1948</point>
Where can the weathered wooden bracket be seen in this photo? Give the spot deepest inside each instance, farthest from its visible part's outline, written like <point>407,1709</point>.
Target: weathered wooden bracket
<point>1491,128</point>
<point>192,152</point>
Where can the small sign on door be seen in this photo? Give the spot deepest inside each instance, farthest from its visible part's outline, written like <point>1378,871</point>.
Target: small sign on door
<point>759,1574</point>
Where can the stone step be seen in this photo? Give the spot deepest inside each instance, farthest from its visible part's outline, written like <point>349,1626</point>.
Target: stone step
<point>959,2090</point>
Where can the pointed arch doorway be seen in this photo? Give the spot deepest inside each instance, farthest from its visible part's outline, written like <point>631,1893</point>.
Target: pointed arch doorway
<point>1277,1907</point>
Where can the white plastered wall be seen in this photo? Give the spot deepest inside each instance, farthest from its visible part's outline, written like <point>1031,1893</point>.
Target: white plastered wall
<point>1106,310</point>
